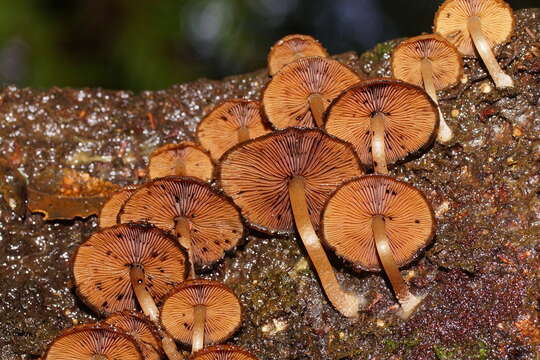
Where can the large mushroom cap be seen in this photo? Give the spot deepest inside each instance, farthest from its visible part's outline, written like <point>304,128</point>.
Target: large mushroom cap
<point>141,329</point>
<point>85,342</point>
<point>223,311</point>
<point>108,215</point>
<point>222,352</point>
<point>101,265</point>
<point>185,159</point>
<point>346,220</point>
<point>215,222</point>
<point>496,19</point>
<point>256,174</point>
<point>218,131</point>
<point>410,117</point>
<point>446,62</point>
<point>286,98</point>
<point>292,47</point>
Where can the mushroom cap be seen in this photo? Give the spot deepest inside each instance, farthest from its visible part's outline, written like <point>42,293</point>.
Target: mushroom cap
<point>108,215</point>
<point>141,329</point>
<point>347,216</point>
<point>196,160</point>
<point>223,311</point>
<point>101,265</point>
<point>290,48</point>
<point>446,62</point>
<point>217,132</point>
<point>496,18</point>
<point>411,117</point>
<point>256,174</point>
<point>84,341</point>
<point>222,352</point>
<point>286,97</point>
<point>216,224</point>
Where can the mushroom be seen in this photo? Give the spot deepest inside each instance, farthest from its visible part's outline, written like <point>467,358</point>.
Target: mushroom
<point>93,342</point>
<point>230,123</point>
<point>379,223</point>
<point>200,312</point>
<point>222,352</point>
<point>204,221</point>
<point>433,62</point>
<point>108,215</point>
<point>141,329</point>
<point>300,93</point>
<point>291,48</point>
<point>184,159</point>
<point>384,119</point>
<point>282,179</point>
<point>480,25</point>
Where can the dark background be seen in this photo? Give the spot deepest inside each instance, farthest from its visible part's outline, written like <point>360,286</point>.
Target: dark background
<point>152,44</point>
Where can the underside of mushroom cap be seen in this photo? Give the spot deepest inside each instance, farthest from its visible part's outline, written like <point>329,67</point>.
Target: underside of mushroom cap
<point>222,352</point>
<point>292,47</point>
<point>108,215</point>
<point>256,174</point>
<point>185,159</point>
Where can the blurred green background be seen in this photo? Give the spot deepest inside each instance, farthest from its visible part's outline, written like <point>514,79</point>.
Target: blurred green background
<point>152,44</point>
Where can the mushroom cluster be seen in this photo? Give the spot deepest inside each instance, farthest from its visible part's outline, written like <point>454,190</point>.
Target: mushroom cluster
<point>311,158</point>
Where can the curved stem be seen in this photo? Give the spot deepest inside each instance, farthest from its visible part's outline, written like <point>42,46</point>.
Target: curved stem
<point>199,320</point>
<point>180,168</point>
<point>344,302</point>
<point>183,234</point>
<point>445,133</point>
<point>147,303</point>
<point>98,357</point>
<point>243,134</point>
<point>501,79</point>
<point>170,349</point>
<point>316,106</point>
<point>378,152</point>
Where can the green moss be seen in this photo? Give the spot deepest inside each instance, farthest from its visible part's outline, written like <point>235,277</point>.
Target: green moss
<point>443,353</point>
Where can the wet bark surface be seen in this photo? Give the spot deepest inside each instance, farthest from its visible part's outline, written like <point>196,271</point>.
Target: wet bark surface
<point>480,274</point>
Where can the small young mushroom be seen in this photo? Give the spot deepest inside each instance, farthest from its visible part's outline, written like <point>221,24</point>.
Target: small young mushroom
<point>93,342</point>
<point>477,25</point>
<point>200,312</point>
<point>222,352</point>
<point>291,48</point>
<point>108,215</point>
<point>299,94</point>
<point>283,179</point>
<point>141,329</point>
<point>183,159</point>
<point>384,119</point>
<point>376,222</point>
<point>230,123</point>
<point>429,61</point>
<point>204,221</point>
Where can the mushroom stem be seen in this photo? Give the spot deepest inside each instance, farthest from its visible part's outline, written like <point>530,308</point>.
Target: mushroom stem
<point>445,133</point>
<point>183,234</point>
<point>243,134</point>
<point>501,79</point>
<point>147,303</point>
<point>316,105</point>
<point>407,300</point>
<point>378,152</point>
<point>346,303</point>
<point>98,357</point>
<point>170,349</point>
<point>180,168</point>
<point>199,320</point>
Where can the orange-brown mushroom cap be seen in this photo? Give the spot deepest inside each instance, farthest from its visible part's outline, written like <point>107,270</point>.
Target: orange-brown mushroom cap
<point>346,220</point>
<point>256,174</point>
<point>286,97</point>
<point>223,311</point>
<point>141,329</point>
<point>84,342</point>
<point>218,131</point>
<point>496,18</point>
<point>102,264</point>
<point>108,215</point>
<point>215,222</point>
<point>292,47</point>
<point>411,118</point>
<point>446,62</point>
<point>222,352</point>
<point>183,159</point>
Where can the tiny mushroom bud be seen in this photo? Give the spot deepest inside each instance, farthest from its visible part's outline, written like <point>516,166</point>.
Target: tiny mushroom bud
<point>110,211</point>
<point>222,352</point>
<point>291,48</point>
<point>183,159</point>
<point>480,25</point>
